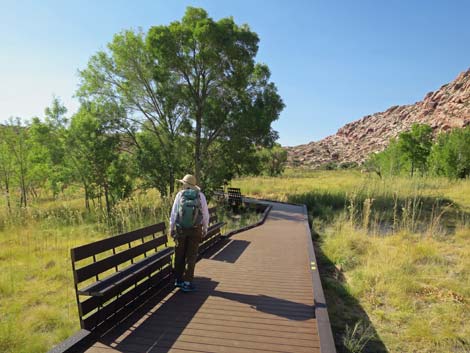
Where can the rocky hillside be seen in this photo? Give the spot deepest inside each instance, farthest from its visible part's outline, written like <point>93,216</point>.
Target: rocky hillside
<point>447,108</point>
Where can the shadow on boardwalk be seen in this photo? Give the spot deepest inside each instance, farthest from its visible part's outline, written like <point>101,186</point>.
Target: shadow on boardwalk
<point>159,329</point>
<point>232,249</point>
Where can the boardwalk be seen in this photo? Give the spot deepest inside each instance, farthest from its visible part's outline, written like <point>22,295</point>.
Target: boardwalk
<point>255,294</point>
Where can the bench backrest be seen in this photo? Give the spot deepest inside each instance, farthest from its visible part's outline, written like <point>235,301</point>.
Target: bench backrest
<point>110,261</point>
<point>234,196</point>
<point>213,232</point>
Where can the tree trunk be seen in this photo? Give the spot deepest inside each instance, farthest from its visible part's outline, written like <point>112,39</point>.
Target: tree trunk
<point>23,200</point>
<point>87,200</point>
<point>7,194</point>
<point>197,150</point>
<point>172,181</point>
<point>106,196</point>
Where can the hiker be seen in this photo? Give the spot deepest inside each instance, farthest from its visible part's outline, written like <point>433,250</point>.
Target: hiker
<point>188,225</point>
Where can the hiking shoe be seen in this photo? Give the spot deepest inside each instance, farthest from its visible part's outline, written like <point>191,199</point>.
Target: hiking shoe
<point>188,287</point>
<point>179,284</point>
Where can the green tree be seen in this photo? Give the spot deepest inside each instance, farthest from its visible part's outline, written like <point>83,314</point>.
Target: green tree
<point>194,82</point>
<point>49,157</point>
<point>19,149</point>
<point>96,156</point>
<point>388,162</point>
<point>6,162</point>
<point>223,92</point>
<point>273,160</point>
<point>416,146</point>
<point>450,155</point>
<point>127,75</point>
<point>152,164</point>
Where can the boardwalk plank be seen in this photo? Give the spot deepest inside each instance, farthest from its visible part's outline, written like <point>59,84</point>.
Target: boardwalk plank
<point>255,294</point>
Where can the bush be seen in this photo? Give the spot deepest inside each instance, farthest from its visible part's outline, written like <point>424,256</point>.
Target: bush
<point>450,155</point>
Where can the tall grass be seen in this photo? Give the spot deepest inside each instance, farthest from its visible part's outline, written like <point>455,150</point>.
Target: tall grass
<point>394,255</point>
<point>37,299</point>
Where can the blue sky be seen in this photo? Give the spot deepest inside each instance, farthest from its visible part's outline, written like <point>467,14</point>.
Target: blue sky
<point>332,61</point>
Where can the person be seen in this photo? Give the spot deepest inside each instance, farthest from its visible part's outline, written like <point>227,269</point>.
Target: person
<point>189,220</point>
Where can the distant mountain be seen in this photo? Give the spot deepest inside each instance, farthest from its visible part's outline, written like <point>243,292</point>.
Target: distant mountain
<point>447,108</point>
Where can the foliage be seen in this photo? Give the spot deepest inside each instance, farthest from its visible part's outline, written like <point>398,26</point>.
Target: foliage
<point>273,160</point>
<point>348,165</point>
<point>450,155</point>
<point>416,146</point>
<point>126,75</point>
<point>388,162</point>
<point>18,154</point>
<point>96,156</point>
<point>6,164</point>
<point>49,157</point>
<point>193,84</point>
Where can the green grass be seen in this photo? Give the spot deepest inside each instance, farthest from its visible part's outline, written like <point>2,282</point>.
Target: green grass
<point>37,297</point>
<point>394,255</point>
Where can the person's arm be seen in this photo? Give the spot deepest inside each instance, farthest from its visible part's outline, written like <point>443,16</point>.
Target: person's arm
<point>174,211</point>
<point>205,214</point>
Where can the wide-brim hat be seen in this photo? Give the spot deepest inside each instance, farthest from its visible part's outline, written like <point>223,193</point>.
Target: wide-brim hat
<point>189,181</point>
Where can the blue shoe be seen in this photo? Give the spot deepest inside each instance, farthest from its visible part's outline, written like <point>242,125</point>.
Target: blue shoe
<point>188,287</point>
<point>179,284</point>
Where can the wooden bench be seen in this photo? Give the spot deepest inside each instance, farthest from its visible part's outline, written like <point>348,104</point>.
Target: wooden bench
<point>114,276</point>
<point>219,195</point>
<point>235,199</point>
<point>213,231</point>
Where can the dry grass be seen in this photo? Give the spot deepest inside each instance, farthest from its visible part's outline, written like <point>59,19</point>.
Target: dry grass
<point>37,299</point>
<point>395,255</point>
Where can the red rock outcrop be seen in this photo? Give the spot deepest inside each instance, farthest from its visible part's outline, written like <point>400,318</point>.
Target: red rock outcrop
<point>447,108</point>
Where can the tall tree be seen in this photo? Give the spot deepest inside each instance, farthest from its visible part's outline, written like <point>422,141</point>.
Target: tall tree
<point>19,147</point>
<point>194,81</point>
<point>49,155</point>
<point>226,95</point>
<point>127,75</point>
<point>416,146</point>
<point>450,155</point>
<point>273,160</point>
<point>95,154</point>
<point>6,162</point>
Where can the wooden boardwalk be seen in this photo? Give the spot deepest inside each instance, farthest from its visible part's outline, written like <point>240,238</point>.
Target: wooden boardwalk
<point>255,294</point>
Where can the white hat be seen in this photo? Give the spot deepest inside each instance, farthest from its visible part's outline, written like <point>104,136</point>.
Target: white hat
<point>189,181</point>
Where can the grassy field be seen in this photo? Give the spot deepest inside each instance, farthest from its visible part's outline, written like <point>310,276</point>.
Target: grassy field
<point>394,253</point>
<point>37,300</point>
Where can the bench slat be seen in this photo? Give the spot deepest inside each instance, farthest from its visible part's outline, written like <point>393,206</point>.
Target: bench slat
<point>213,229</point>
<point>87,250</point>
<point>105,264</point>
<point>122,278</point>
<point>213,219</point>
<point>91,303</point>
<point>122,305</point>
